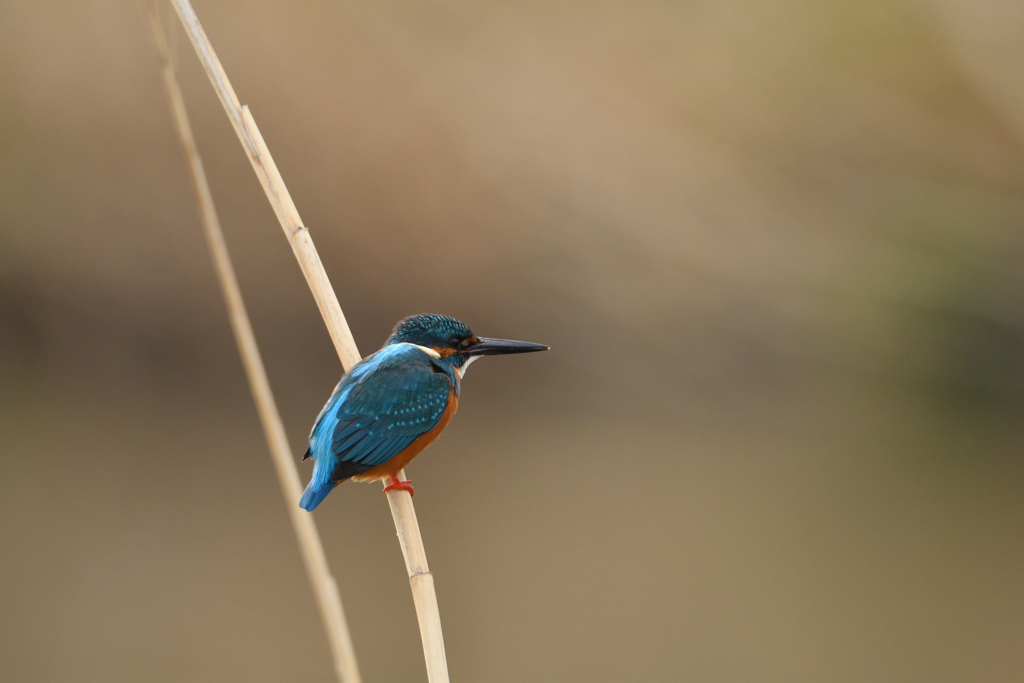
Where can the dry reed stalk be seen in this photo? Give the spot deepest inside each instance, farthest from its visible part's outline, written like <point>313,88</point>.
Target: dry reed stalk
<point>324,587</point>
<point>420,578</point>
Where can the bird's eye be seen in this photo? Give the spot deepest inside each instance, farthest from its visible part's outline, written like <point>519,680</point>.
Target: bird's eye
<point>453,342</point>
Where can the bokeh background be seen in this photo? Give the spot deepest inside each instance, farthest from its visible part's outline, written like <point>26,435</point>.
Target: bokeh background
<point>776,249</point>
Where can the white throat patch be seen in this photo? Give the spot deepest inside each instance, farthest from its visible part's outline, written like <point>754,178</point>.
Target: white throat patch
<point>465,366</point>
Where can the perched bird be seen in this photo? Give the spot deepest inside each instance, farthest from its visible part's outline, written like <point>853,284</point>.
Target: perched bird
<point>395,402</point>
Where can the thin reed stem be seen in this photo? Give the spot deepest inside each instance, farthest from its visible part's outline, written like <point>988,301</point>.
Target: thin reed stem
<point>324,587</point>
<point>420,578</point>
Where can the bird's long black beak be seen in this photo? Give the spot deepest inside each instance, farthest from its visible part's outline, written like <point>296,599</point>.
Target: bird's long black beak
<point>495,347</point>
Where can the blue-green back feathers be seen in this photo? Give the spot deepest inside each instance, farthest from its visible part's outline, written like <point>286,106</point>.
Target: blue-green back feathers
<point>386,402</point>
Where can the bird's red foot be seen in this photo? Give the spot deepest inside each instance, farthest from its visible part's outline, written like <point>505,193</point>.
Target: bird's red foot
<point>400,485</point>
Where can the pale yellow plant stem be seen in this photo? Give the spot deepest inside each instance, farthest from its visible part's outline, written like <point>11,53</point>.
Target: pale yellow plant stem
<point>324,587</point>
<point>420,578</point>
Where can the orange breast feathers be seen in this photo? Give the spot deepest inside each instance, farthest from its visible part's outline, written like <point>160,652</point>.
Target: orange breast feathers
<point>406,456</point>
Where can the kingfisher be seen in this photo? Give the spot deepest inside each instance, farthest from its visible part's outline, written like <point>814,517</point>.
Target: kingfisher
<point>395,402</point>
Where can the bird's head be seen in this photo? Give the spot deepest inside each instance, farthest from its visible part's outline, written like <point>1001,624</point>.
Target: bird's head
<point>447,337</point>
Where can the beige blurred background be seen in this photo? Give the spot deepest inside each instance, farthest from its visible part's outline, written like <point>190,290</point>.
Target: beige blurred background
<point>776,249</point>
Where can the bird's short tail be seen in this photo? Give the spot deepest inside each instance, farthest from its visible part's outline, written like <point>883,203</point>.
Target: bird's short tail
<point>320,484</point>
<point>315,493</point>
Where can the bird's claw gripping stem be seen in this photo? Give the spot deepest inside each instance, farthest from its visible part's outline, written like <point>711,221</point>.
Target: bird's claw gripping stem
<point>400,485</point>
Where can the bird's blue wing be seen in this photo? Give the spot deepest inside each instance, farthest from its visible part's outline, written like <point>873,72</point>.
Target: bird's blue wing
<point>388,401</point>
